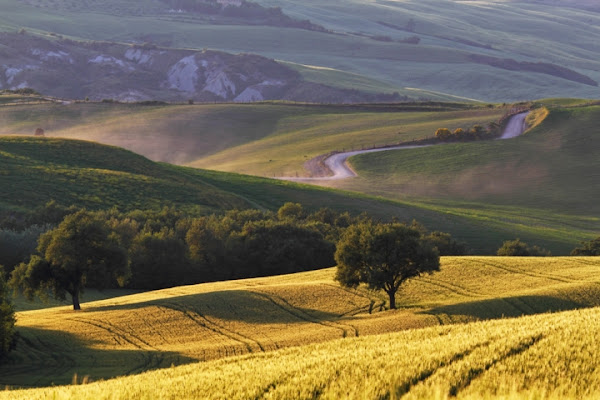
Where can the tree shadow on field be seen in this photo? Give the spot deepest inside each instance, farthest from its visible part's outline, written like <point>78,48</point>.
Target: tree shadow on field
<point>508,307</point>
<point>251,307</point>
<point>45,357</point>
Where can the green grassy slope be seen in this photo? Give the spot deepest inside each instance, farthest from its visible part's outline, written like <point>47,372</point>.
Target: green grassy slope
<point>146,331</point>
<point>86,174</point>
<point>553,167</point>
<point>287,135</point>
<point>298,140</point>
<point>250,133</point>
<point>450,32</point>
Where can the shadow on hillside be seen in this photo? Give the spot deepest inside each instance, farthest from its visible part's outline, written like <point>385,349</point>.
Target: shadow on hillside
<point>45,357</point>
<point>234,305</point>
<point>508,307</point>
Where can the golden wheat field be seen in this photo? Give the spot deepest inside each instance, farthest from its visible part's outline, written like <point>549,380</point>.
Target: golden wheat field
<point>303,336</point>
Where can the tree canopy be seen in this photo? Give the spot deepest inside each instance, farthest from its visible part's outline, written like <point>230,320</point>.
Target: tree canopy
<point>591,248</point>
<point>519,248</point>
<point>81,252</point>
<point>383,256</point>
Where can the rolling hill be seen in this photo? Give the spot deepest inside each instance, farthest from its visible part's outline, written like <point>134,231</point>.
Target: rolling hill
<point>492,50</point>
<point>288,135</point>
<point>251,134</point>
<point>111,71</point>
<point>94,176</point>
<point>552,167</point>
<point>140,332</point>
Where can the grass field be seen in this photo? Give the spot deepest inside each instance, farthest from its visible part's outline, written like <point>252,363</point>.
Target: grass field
<point>440,62</point>
<point>298,140</point>
<point>551,356</point>
<point>131,334</point>
<point>248,136</point>
<point>37,170</point>
<point>259,139</point>
<point>552,167</point>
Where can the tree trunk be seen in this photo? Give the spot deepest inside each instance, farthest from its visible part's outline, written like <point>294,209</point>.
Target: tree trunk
<point>392,294</point>
<point>75,297</point>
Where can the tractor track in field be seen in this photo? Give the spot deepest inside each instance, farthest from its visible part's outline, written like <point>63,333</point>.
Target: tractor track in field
<point>298,313</point>
<point>203,321</point>
<point>451,287</point>
<point>531,274</point>
<point>151,356</point>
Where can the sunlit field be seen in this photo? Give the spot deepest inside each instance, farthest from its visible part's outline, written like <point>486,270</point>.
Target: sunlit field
<point>185,325</point>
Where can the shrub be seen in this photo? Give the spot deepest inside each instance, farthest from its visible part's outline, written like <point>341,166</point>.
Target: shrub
<point>591,248</point>
<point>518,248</point>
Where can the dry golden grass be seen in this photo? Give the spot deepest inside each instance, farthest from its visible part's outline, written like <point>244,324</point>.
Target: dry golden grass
<point>549,356</point>
<point>146,331</point>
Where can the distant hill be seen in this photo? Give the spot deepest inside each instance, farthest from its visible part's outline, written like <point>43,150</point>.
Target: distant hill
<point>101,70</point>
<point>497,50</point>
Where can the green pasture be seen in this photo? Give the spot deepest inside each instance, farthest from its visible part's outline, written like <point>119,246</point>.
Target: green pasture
<point>552,167</point>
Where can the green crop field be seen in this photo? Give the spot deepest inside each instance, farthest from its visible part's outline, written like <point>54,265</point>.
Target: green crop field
<point>551,353</point>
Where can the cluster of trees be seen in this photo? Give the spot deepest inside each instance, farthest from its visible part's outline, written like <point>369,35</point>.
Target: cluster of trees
<point>158,249</point>
<point>476,132</point>
<point>152,250</point>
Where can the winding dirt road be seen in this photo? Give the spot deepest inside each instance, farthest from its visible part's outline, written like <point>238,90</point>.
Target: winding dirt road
<point>338,164</point>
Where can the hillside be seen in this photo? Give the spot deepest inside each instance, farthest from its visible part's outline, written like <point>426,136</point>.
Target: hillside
<point>140,332</point>
<point>492,51</point>
<point>112,71</point>
<point>285,133</point>
<point>542,169</point>
<point>481,360</point>
<point>213,136</point>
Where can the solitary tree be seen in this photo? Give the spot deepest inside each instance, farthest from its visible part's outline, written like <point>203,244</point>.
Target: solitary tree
<point>81,252</point>
<point>383,256</point>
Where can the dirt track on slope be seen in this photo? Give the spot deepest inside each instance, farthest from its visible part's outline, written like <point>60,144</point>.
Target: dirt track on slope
<point>338,165</point>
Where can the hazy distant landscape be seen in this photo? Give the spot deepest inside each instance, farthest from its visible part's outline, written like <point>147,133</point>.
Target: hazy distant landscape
<point>490,51</point>
<point>299,199</point>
